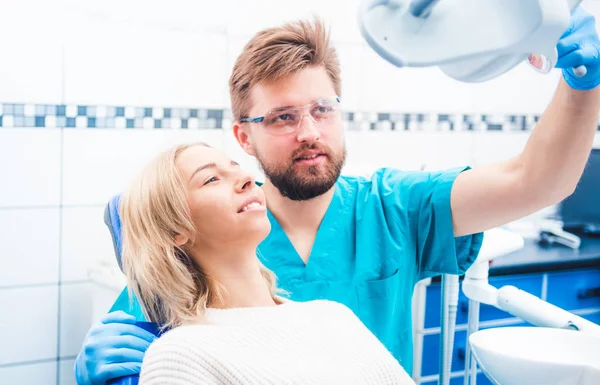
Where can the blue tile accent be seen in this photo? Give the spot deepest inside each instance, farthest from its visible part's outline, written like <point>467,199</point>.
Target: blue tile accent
<point>51,110</point>
<point>40,110</point>
<point>19,109</point>
<point>1,120</point>
<point>216,114</point>
<point>212,118</point>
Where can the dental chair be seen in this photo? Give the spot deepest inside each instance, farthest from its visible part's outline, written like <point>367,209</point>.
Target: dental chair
<point>113,222</point>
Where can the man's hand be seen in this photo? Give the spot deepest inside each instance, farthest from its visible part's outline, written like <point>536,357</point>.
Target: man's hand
<point>113,348</point>
<point>579,45</point>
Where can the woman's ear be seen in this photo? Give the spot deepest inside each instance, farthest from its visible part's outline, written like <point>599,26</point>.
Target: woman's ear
<point>181,240</point>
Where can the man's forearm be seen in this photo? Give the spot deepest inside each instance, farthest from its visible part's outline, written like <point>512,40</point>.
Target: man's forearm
<point>557,151</point>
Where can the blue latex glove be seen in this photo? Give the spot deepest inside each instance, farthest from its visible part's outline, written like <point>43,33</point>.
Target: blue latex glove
<point>113,348</point>
<point>579,45</point>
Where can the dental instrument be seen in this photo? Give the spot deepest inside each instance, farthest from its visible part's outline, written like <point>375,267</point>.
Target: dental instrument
<point>425,33</point>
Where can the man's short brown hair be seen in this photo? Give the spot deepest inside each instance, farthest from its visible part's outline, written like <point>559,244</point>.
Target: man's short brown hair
<point>276,53</point>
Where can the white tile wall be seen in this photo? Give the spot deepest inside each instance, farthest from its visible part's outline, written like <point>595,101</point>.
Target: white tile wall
<point>99,163</point>
<point>32,67</point>
<point>122,64</point>
<point>29,329</point>
<point>350,55</point>
<point>32,374</point>
<point>368,151</point>
<point>67,376</point>
<point>85,241</point>
<point>30,171</point>
<point>29,244</point>
<point>75,316</point>
<point>249,17</point>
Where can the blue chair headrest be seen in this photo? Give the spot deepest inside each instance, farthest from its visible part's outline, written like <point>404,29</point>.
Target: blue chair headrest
<point>113,221</point>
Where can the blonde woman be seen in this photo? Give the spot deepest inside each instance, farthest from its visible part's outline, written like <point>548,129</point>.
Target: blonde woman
<point>192,221</point>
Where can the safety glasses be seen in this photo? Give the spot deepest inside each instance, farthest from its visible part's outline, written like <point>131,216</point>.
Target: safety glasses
<point>324,112</point>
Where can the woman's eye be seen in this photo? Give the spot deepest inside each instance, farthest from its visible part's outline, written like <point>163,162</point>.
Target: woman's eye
<point>210,180</point>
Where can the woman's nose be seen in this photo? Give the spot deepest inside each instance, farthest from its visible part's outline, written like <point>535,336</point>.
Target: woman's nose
<point>245,182</point>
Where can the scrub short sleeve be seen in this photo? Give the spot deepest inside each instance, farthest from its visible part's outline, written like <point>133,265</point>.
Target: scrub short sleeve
<point>417,208</point>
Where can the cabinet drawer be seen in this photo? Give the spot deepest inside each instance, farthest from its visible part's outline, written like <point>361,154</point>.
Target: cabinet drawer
<point>574,289</point>
<point>529,283</point>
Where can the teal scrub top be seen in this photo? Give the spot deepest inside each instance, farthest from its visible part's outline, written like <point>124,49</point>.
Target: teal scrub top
<point>378,238</point>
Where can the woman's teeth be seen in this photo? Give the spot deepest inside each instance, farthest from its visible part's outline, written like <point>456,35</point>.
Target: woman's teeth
<point>249,206</point>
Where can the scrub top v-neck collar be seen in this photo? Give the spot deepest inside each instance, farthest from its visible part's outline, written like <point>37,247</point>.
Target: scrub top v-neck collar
<point>279,254</point>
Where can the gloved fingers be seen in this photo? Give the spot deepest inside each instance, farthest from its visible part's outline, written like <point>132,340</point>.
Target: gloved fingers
<point>119,317</point>
<point>587,54</point>
<point>125,341</point>
<point>123,355</point>
<point>116,330</point>
<point>567,45</point>
<point>111,371</point>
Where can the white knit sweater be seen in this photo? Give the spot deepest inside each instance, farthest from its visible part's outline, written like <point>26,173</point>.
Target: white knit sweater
<point>316,342</point>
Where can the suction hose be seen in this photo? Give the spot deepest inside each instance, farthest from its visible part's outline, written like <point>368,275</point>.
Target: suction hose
<point>448,325</point>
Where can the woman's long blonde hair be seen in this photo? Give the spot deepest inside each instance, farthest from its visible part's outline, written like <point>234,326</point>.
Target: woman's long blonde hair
<point>172,289</point>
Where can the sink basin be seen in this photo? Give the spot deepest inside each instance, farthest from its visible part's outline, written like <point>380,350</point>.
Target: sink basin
<point>537,356</point>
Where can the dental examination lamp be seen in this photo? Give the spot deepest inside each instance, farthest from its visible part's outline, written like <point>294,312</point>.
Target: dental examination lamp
<point>469,40</point>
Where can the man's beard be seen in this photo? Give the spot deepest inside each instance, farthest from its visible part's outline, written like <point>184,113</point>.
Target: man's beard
<point>312,181</point>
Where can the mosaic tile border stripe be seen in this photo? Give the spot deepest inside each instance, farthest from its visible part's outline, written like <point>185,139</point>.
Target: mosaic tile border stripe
<point>75,116</point>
